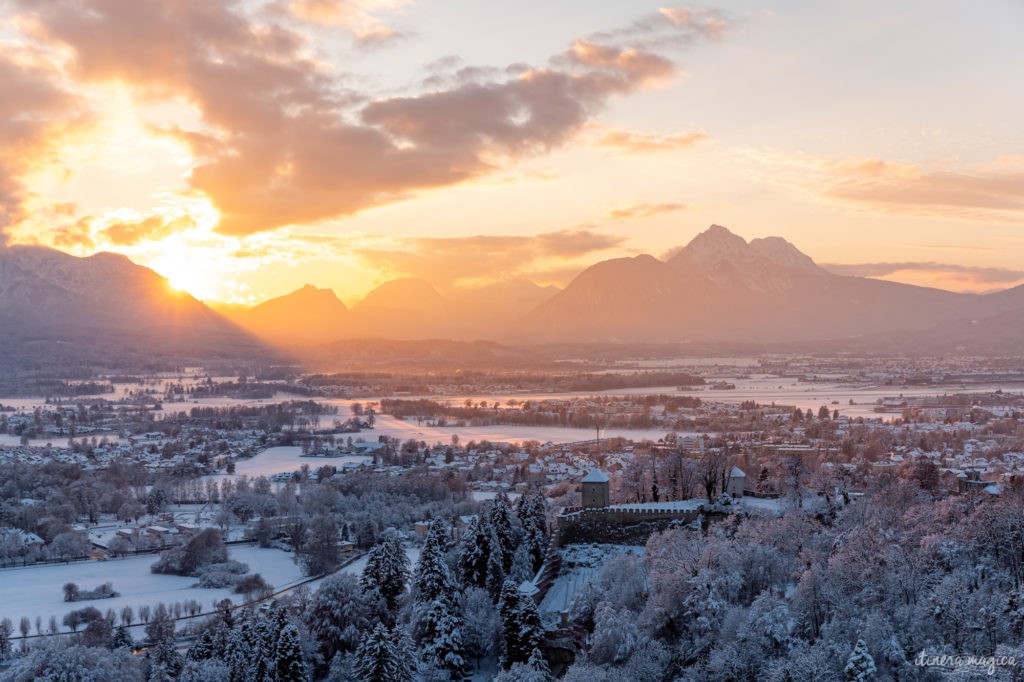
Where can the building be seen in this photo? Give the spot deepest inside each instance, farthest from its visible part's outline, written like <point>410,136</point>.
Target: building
<point>595,489</point>
<point>737,482</point>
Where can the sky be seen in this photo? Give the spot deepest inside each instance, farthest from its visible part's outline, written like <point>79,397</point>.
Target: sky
<point>245,148</point>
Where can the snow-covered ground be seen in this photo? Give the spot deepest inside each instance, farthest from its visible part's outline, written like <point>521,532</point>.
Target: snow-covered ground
<point>288,458</point>
<point>391,426</point>
<point>37,590</point>
<point>579,564</point>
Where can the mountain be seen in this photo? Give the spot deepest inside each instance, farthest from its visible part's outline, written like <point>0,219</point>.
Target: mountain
<point>407,308</point>
<point>306,315</point>
<point>487,311</point>
<point>103,306</point>
<point>720,287</point>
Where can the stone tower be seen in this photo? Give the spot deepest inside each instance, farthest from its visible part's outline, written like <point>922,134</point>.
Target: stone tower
<point>595,489</point>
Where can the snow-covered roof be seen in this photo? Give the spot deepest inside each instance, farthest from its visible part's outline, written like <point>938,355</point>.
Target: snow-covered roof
<point>737,473</point>
<point>596,476</point>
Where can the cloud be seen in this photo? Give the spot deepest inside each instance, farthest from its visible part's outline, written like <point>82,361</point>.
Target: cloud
<point>644,210</point>
<point>152,228</point>
<point>37,116</point>
<point>283,139</point>
<point>641,143</point>
<point>966,274</point>
<point>990,192</point>
<point>890,186</point>
<point>445,260</point>
<point>670,28</point>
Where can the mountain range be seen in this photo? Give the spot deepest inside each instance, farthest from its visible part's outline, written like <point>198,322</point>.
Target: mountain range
<point>717,288</point>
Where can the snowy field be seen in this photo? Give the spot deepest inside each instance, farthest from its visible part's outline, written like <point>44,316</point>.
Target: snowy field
<point>288,458</point>
<point>38,591</point>
<point>397,428</point>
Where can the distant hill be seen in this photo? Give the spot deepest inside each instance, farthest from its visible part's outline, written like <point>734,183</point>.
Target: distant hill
<point>719,287</point>
<point>104,308</point>
<point>308,315</point>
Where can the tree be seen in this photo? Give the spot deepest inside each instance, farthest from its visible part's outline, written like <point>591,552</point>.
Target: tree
<point>387,569</point>
<point>432,578</point>
<point>291,664</point>
<point>482,623</point>
<point>204,548</point>
<point>319,551</point>
<point>532,514</point>
<point>474,553</point>
<point>341,614</point>
<point>521,627</point>
<point>500,518</point>
<point>384,657</point>
<point>860,667</point>
<point>70,592</point>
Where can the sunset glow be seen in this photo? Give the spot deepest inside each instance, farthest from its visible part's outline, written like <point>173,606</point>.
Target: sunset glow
<point>245,149</point>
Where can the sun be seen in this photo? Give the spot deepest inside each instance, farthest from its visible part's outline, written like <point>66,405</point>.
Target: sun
<point>187,271</point>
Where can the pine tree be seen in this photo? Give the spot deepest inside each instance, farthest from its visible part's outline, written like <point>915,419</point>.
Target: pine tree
<point>122,639</point>
<point>500,517</point>
<point>387,570</point>
<point>860,667</point>
<point>521,626</point>
<point>442,636</point>
<point>384,656</point>
<point>495,568</point>
<point>532,513</point>
<point>290,664</point>
<point>474,553</point>
<point>260,665</point>
<point>237,656</point>
<point>432,578</point>
<point>165,662</point>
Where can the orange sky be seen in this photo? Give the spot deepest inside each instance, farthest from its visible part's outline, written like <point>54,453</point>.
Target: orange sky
<point>243,149</point>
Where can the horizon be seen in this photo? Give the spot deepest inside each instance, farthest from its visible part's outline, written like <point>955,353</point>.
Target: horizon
<point>246,149</point>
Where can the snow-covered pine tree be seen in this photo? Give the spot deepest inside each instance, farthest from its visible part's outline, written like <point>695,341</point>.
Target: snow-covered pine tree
<point>290,664</point>
<point>387,570</point>
<point>260,655</point>
<point>521,625</point>
<point>165,661</point>
<point>474,551</point>
<point>860,667</point>
<point>432,577</point>
<point>500,517</point>
<point>340,614</point>
<point>237,656</point>
<point>532,513</point>
<point>522,568</point>
<point>443,645</point>
<point>496,573</point>
<point>122,639</point>
<point>384,656</point>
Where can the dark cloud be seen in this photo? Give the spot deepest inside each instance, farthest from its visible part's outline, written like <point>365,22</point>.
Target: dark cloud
<point>444,260</point>
<point>966,273</point>
<point>283,141</point>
